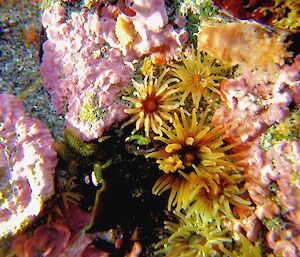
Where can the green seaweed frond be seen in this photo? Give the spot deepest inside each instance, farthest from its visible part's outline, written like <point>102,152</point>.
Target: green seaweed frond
<point>139,139</point>
<point>98,170</point>
<point>103,138</point>
<point>100,194</point>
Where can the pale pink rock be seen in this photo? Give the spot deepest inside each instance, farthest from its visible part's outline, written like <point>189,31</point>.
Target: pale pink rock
<point>249,224</point>
<point>294,218</point>
<point>27,163</point>
<point>151,25</point>
<point>250,107</point>
<point>280,167</point>
<point>53,17</point>
<point>261,196</point>
<point>150,15</point>
<point>74,68</point>
<point>153,35</point>
<point>284,242</point>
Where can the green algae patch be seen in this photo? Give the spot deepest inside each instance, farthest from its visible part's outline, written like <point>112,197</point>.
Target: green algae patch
<point>91,112</point>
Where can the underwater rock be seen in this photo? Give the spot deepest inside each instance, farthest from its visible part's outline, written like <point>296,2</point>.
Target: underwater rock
<point>274,186</point>
<point>48,240</point>
<point>57,237</point>
<point>147,32</point>
<point>84,76</point>
<point>246,43</point>
<point>251,106</point>
<point>283,14</point>
<point>83,81</point>
<point>66,236</point>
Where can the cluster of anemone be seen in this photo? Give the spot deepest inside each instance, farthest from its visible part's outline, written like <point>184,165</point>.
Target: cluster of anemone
<point>156,99</point>
<point>198,170</point>
<point>192,236</point>
<point>198,165</point>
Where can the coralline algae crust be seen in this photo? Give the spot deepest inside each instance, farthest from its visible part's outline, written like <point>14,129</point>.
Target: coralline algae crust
<point>27,165</point>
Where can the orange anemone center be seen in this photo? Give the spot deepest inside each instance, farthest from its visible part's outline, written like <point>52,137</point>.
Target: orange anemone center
<point>150,104</point>
<point>213,195</point>
<point>189,156</point>
<point>195,239</point>
<point>196,79</point>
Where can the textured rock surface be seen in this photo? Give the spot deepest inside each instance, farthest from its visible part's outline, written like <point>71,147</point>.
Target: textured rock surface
<point>27,165</point>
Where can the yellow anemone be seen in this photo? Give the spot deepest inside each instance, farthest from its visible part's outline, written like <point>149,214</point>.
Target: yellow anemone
<point>214,200</point>
<point>190,149</point>
<point>192,237</point>
<point>199,76</point>
<point>152,104</point>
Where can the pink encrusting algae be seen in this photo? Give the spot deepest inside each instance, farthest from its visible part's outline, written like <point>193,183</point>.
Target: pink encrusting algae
<point>82,81</point>
<point>260,104</point>
<point>284,242</point>
<point>57,238</point>
<point>278,165</point>
<point>147,32</point>
<point>273,183</point>
<point>260,117</point>
<point>247,223</point>
<point>65,236</point>
<point>27,165</point>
